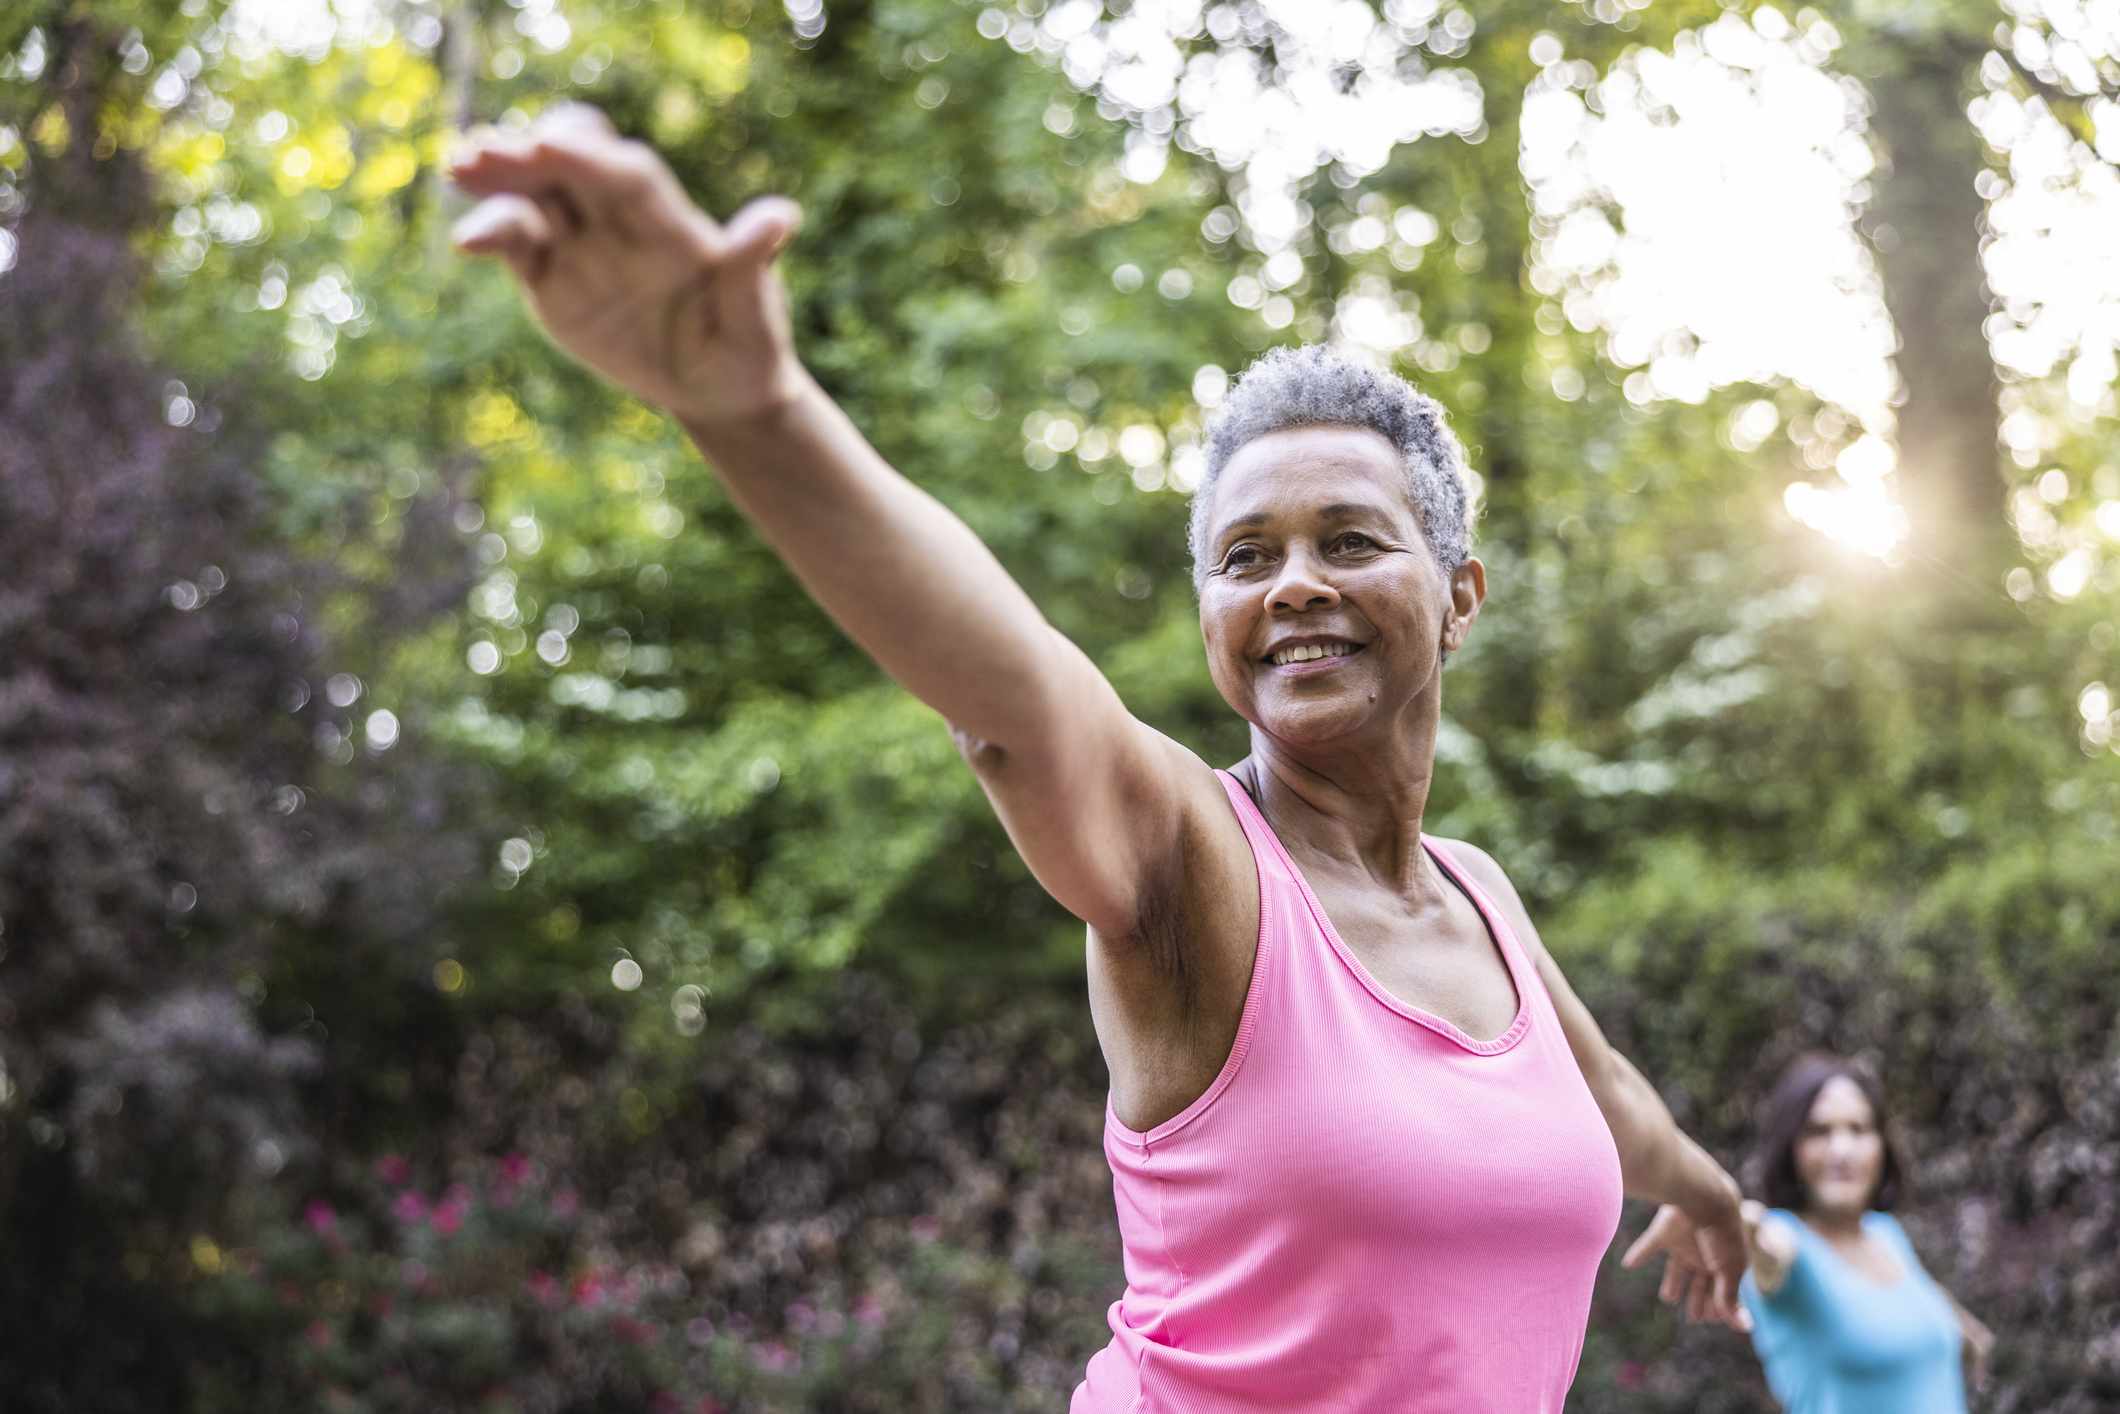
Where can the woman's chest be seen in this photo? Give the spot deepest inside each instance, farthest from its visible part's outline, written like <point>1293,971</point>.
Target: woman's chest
<point>1441,959</point>
<point>1858,1326</point>
<point>1382,1131</point>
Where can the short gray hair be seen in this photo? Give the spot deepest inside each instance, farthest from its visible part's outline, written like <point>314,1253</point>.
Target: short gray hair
<point>1320,386</point>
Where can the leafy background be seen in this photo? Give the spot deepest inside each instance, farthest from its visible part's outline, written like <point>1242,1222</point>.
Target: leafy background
<point>473,936</point>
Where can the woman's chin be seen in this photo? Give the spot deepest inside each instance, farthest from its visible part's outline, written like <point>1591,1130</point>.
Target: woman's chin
<point>1319,724</point>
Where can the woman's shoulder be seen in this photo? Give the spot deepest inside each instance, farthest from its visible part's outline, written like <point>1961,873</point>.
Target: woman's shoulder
<point>1798,1289</point>
<point>1798,1231</point>
<point>1884,1226</point>
<point>1481,868</point>
<point>1886,1229</point>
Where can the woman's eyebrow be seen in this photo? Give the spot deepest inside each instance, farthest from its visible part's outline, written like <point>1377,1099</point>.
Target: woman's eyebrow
<point>1352,510</point>
<point>1246,522</point>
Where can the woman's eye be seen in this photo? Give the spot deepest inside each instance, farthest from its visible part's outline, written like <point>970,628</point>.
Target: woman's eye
<point>1355,542</point>
<point>1243,557</point>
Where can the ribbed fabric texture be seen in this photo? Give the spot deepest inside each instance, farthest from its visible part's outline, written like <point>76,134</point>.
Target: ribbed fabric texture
<point>1368,1209</point>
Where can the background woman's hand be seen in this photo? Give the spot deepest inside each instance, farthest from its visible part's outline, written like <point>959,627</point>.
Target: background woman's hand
<point>627,274</point>
<point>1705,1262</point>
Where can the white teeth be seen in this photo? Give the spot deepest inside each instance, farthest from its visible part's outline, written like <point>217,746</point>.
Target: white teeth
<point>1313,650</point>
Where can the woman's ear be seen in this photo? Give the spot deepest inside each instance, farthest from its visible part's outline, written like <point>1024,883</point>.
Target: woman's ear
<point>1468,590</point>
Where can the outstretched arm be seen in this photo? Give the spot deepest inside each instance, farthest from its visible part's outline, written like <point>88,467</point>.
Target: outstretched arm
<point>1771,1247</point>
<point>634,280</point>
<point>1698,1224</point>
<point>1979,1341</point>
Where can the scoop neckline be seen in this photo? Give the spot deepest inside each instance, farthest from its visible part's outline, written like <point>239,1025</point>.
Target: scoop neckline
<point>1498,932</point>
<point>1841,1257</point>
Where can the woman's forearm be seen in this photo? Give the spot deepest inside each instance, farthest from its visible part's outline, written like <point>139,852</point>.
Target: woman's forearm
<point>1770,1248</point>
<point>1657,1160</point>
<point>901,573</point>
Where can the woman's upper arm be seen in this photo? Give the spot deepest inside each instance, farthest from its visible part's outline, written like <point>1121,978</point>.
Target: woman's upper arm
<point>1097,802</point>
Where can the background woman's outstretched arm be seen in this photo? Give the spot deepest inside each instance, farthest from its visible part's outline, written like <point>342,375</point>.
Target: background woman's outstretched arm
<point>1770,1247</point>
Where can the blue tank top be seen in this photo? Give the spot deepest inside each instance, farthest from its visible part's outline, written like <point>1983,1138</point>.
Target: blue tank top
<point>1835,1342</point>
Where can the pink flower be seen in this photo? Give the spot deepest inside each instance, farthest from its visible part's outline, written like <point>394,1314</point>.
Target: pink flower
<point>699,1330</point>
<point>543,1289</point>
<point>667,1403</point>
<point>318,1335</point>
<point>448,1218</point>
<point>412,1271</point>
<point>514,1168</point>
<point>566,1203</point>
<point>772,1355</point>
<point>869,1312</point>
<point>393,1169</point>
<point>317,1213</point>
<point>589,1291</point>
<point>1630,1375</point>
<point>926,1228</point>
<point>410,1207</point>
<point>800,1317</point>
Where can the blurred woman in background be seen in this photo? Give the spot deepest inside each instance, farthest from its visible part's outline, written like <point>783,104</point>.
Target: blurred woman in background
<point>1844,1317</point>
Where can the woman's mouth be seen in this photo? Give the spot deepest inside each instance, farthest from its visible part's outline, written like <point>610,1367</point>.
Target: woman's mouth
<point>1304,653</point>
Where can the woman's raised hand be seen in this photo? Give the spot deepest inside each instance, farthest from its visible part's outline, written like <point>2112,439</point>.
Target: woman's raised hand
<point>627,274</point>
<point>1704,1263</point>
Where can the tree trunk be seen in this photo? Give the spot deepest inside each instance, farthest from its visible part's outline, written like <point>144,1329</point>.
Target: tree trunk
<point>1928,219</point>
<point>457,59</point>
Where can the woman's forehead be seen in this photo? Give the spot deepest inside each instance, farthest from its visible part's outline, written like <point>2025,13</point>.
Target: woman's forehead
<point>1308,473</point>
<point>1841,1098</point>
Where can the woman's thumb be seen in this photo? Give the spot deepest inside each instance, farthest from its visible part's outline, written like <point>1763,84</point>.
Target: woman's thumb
<point>761,230</point>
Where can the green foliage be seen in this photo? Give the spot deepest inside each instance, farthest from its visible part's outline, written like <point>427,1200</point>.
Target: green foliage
<point>1761,795</point>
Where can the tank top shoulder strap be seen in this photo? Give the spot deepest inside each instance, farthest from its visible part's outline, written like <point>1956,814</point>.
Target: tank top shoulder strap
<point>1536,1001</point>
<point>1266,850</point>
<point>1513,949</point>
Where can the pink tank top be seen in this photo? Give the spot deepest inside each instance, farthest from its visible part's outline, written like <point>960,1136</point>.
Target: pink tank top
<point>1368,1209</point>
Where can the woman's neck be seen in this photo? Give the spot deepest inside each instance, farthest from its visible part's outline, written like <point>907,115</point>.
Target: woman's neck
<point>1834,1224</point>
<point>1366,806</point>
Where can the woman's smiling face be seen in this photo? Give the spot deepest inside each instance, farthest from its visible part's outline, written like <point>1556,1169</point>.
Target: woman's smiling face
<point>1322,606</point>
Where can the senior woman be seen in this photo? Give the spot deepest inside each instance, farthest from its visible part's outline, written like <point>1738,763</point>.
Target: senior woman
<point>1367,1146</point>
<point>1844,1316</point>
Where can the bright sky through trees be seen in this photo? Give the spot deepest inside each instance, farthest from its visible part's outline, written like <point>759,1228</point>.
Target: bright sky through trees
<point>1699,208</point>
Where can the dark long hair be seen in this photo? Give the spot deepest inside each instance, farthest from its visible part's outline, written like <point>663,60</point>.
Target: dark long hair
<point>1782,1125</point>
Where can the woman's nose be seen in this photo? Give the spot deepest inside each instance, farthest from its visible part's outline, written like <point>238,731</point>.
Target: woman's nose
<point>1302,586</point>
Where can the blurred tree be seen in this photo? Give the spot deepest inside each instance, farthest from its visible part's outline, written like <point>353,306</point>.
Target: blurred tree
<point>171,820</point>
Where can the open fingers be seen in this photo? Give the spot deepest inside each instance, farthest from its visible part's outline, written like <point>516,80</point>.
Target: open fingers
<point>1678,1279</point>
<point>582,174</point>
<point>1653,1239</point>
<point>510,226</point>
<point>1730,1307</point>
